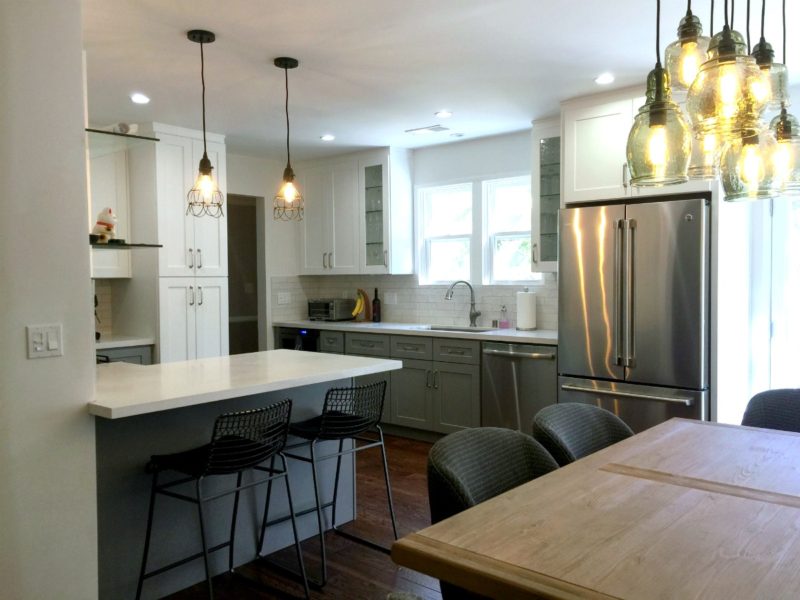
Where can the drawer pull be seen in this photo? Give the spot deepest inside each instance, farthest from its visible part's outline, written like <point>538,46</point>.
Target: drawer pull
<point>411,347</point>
<point>459,351</point>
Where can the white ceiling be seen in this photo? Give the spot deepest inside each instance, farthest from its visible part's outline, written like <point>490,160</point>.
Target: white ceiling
<point>370,69</point>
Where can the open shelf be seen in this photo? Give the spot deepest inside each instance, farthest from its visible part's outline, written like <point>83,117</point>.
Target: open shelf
<point>124,246</point>
<point>107,142</point>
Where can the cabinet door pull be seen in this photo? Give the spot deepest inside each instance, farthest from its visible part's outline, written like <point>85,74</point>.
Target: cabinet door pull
<point>199,295</point>
<point>330,260</point>
<point>191,296</point>
<point>535,260</point>
<point>625,175</point>
<point>191,258</point>
<point>427,378</point>
<point>324,264</point>
<point>436,380</point>
<point>199,259</point>
<point>385,258</point>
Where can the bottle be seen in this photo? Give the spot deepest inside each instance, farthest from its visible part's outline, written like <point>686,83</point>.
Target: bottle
<point>504,324</point>
<point>376,308</point>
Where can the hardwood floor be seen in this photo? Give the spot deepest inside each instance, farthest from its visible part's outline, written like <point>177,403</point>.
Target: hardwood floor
<point>354,570</point>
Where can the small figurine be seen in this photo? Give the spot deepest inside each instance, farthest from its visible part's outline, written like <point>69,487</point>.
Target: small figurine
<point>105,225</point>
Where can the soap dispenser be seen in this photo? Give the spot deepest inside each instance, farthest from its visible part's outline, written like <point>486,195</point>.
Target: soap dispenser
<point>504,324</point>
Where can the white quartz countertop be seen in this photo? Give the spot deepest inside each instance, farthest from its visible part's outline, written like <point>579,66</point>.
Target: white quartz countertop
<point>125,390</point>
<point>122,341</point>
<point>513,336</point>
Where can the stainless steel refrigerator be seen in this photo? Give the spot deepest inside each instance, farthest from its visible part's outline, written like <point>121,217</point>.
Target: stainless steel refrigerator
<point>633,308</point>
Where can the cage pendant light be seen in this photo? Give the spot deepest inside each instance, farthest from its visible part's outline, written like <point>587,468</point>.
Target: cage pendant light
<point>773,81</point>
<point>685,55</point>
<point>659,142</point>
<point>721,99</point>
<point>205,197</point>
<point>288,202</point>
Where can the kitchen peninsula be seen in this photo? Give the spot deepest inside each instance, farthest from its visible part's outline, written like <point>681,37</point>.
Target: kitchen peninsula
<point>158,409</point>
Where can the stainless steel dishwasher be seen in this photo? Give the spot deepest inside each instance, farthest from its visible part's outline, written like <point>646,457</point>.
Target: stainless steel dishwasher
<point>516,381</point>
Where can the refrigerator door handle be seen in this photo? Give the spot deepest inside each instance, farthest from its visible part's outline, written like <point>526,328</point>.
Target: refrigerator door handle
<point>630,248</point>
<point>676,400</point>
<point>619,291</point>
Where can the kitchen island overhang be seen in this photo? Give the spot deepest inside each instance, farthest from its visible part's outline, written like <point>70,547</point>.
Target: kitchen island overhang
<point>159,409</point>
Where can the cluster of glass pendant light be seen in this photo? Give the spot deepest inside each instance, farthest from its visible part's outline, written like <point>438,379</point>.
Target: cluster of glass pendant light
<point>205,197</point>
<point>728,91</point>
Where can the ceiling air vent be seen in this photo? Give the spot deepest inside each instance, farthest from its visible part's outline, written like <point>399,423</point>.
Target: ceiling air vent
<point>428,129</point>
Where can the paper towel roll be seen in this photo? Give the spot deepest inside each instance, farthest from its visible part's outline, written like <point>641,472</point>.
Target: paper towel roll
<point>526,311</point>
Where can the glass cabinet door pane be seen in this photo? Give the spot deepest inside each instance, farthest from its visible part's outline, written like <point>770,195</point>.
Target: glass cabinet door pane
<point>373,194</point>
<point>549,196</point>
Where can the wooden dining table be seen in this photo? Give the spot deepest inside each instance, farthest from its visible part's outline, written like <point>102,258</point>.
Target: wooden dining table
<point>684,510</point>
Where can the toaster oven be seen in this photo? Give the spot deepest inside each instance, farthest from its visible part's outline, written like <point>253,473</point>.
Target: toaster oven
<point>331,309</point>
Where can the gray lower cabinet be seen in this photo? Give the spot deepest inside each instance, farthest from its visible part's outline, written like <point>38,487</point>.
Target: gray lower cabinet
<point>436,395</point>
<point>140,355</point>
<point>370,345</point>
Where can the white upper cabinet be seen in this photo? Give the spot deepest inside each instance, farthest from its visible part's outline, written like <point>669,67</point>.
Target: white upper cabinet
<point>358,211</point>
<point>545,194</point>
<point>108,187</point>
<point>193,246</point>
<point>594,165</point>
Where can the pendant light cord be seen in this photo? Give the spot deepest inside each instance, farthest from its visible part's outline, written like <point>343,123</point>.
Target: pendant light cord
<point>784,32</point>
<point>726,13</point>
<point>658,33</point>
<point>711,21</point>
<point>733,11</point>
<point>288,153</point>
<point>203,81</point>
<point>748,27</point>
<point>763,14</point>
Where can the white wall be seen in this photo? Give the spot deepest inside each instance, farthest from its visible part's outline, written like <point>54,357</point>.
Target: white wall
<point>493,156</point>
<point>48,520</point>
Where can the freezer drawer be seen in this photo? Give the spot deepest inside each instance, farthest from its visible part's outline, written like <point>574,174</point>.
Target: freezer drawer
<point>640,406</point>
<point>517,381</point>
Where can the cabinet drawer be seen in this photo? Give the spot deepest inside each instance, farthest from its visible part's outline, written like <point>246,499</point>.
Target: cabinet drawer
<point>456,351</point>
<point>367,344</point>
<point>331,341</point>
<point>406,346</point>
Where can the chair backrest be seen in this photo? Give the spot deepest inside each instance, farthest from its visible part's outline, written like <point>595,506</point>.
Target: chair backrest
<point>352,410</point>
<point>774,409</point>
<point>474,465</point>
<point>242,440</point>
<point>573,430</point>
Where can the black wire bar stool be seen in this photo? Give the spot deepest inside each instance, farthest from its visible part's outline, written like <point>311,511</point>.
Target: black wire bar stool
<point>240,442</point>
<point>348,413</point>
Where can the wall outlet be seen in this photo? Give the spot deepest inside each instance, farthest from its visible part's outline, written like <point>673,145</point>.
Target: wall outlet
<point>284,297</point>
<point>390,298</point>
<point>44,340</point>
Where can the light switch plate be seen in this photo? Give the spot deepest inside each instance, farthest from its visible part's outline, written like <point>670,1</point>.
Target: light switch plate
<point>44,340</point>
<point>284,297</point>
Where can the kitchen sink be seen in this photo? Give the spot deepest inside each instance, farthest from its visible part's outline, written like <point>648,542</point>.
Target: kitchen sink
<point>464,329</point>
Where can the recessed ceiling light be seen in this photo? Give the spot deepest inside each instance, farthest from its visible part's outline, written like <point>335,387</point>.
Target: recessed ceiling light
<point>139,98</point>
<point>328,137</point>
<point>604,79</point>
<point>443,114</point>
<point>428,129</point>
<point>456,135</point>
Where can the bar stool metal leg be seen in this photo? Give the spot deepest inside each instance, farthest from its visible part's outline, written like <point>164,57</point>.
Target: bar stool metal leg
<point>336,482</point>
<point>143,570</point>
<point>298,550</point>
<point>203,537</point>
<point>264,521</point>
<point>317,499</point>
<point>388,485</point>
<point>233,520</point>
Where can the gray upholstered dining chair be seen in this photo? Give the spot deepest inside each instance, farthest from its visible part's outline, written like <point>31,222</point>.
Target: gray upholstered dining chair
<point>774,409</point>
<point>572,430</point>
<point>470,466</point>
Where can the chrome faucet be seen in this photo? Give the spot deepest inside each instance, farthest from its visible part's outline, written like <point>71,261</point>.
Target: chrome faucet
<point>473,314</point>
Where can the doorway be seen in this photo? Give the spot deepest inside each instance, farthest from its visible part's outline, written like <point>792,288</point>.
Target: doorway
<point>245,287</point>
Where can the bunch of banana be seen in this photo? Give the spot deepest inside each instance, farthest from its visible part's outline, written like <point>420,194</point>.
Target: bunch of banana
<point>359,305</point>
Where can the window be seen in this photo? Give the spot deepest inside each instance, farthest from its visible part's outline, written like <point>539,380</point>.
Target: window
<point>445,233</point>
<point>479,231</point>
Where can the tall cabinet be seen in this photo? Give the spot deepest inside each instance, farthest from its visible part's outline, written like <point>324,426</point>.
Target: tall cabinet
<point>191,273</point>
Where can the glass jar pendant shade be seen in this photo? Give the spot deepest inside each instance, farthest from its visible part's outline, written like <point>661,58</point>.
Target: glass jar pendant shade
<point>721,99</point>
<point>748,168</point>
<point>786,158</point>
<point>205,197</point>
<point>659,143</point>
<point>704,161</point>
<point>288,202</point>
<point>774,79</point>
<point>685,55</point>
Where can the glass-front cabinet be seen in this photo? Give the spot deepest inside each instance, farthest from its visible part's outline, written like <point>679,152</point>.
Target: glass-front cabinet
<point>375,252</point>
<point>546,192</point>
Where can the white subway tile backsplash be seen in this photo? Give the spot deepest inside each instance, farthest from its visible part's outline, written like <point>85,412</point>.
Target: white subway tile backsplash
<point>415,303</point>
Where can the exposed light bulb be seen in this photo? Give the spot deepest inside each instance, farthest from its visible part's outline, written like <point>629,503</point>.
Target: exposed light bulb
<point>728,91</point>
<point>709,149</point>
<point>751,167</point>
<point>691,59</point>
<point>288,192</point>
<point>782,160</point>
<point>205,184</point>
<point>761,86</point>
<point>657,149</point>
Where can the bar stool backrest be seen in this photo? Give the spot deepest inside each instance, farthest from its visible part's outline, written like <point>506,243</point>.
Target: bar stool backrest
<point>242,440</point>
<point>350,411</point>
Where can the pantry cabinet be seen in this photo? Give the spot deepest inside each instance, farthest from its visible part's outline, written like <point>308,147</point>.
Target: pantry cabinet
<point>358,214</point>
<point>193,316</point>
